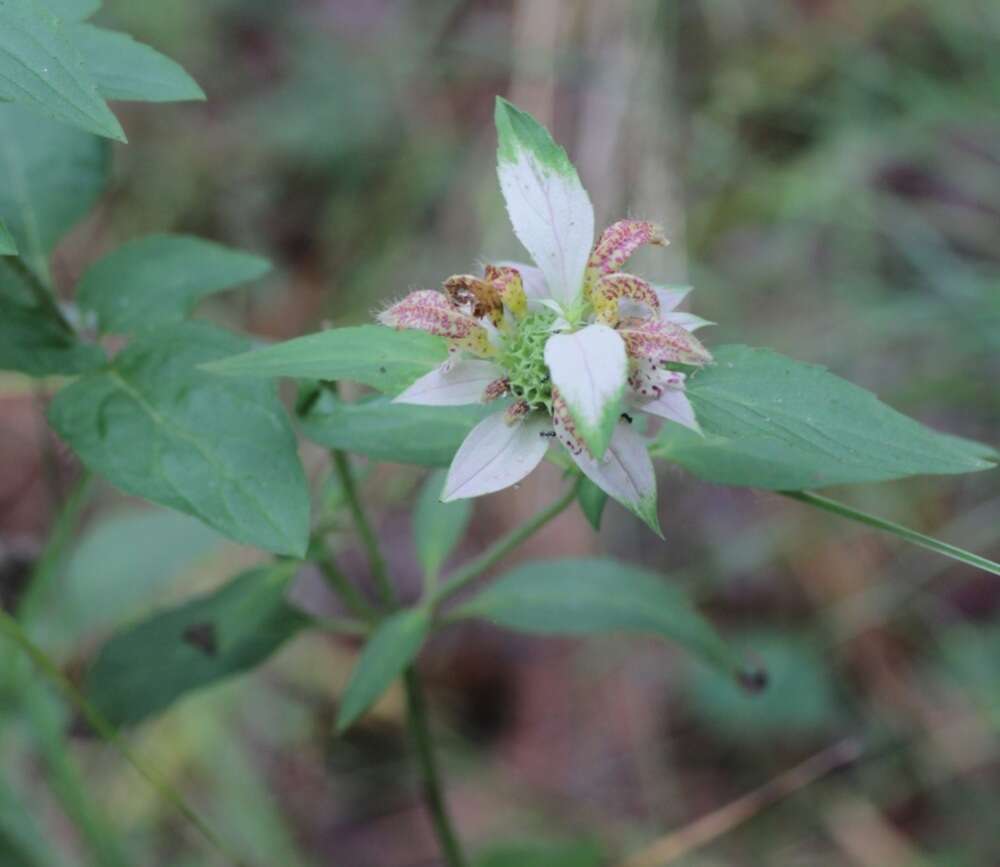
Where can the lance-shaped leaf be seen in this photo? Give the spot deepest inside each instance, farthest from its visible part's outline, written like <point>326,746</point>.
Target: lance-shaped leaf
<point>393,646</point>
<point>589,368</point>
<point>124,69</point>
<point>496,455</point>
<point>222,450</point>
<point>41,67</point>
<point>370,354</point>
<point>583,597</point>
<point>771,422</point>
<point>386,431</point>
<point>159,280</point>
<point>548,206</point>
<point>592,502</point>
<point>146,668</point>
<point>50,176</point>
<point>8,246</point>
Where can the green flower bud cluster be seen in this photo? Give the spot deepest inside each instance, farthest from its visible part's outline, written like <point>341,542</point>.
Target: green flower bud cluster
<point>524,360</point>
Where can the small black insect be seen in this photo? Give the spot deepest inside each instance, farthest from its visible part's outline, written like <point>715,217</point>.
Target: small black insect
<point>547,433</point>
<point>627,417</point>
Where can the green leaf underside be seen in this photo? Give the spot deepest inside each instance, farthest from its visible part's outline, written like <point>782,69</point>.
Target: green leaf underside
<point>146,668</point>
<point>8,246</point>
<point>581,597</point>
<point>370,354</point>
<point>771,422</point>
<point>391,648</point>
<point>50,176</point>
<point>73,10</point>
<point>41,67</point>
<point>518,129</point>
<point>124,69</point>
<point>393,432</point>
<point>159,280</point>
<point>438,527</point>
<point>222,450</point>
<point>592,502</point>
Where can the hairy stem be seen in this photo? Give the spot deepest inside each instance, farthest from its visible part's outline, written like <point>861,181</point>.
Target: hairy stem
<point>905,533</point>
<point>420,734</point>
<point>501,548</point>
<point>376,561</point>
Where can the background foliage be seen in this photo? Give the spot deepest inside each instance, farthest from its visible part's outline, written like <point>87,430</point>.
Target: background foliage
<point>827,171</point>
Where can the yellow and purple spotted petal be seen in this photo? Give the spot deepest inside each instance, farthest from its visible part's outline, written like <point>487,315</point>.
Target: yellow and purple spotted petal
<point>427,310</point>
<point>618,242</point>
<point>507,281</point>
<point>611,289</point>
<point>662,342</point>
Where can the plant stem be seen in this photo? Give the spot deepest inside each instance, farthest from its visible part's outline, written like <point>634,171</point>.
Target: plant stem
<point>43,295</point>
<point>905,533</point>
<point>376,561</point>
<point>433,795</point>
<point>13,630</point>
<point>342,586</point>
<point>47,566</point>
<point>500,549</point>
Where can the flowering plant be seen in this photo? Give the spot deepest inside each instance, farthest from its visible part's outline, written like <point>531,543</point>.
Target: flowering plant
<point>482,377</point>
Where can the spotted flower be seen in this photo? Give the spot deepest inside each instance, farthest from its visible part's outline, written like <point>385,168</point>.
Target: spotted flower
<point>573,343</point>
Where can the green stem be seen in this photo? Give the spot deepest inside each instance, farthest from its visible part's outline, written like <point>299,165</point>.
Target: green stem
<point>912,536</point>
<point>47,566</point>
<point>13,630</point>
<point>376,561</point>
<point>500,549</point>
<point>43,295</point>
<point>433,794</point>
<point>342,587</point>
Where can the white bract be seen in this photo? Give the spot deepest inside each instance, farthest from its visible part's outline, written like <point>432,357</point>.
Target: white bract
<point>573,343</point>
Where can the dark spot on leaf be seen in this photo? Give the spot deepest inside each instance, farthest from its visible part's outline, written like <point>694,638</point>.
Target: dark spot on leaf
<point>204,637</point>
<point>382,369</point>
<point>753,680</point>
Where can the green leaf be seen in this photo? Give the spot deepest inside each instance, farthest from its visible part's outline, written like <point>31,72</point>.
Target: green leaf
<point>592,502</point>
<point>41,67</point>
<point>8,246</point>
<point>146,668</point>
<point>50,176</point>
<point>438,527</point>
<point>159,280</point>
<point>125,69</point>
<point>221,450</point>
<point>771,422</point>
<point>73,10</point>
<point>109,579</point>
<point>32,342</point>
<point>370,354</point>
<point>391,648</point>
<point>580,597</point>
<point>800,698</point>
<point>396,432</point>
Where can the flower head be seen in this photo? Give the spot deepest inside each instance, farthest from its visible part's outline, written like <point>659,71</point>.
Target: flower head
<point>573,343</point>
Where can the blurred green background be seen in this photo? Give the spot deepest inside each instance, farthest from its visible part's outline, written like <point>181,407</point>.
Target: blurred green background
<point>829,174</point>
